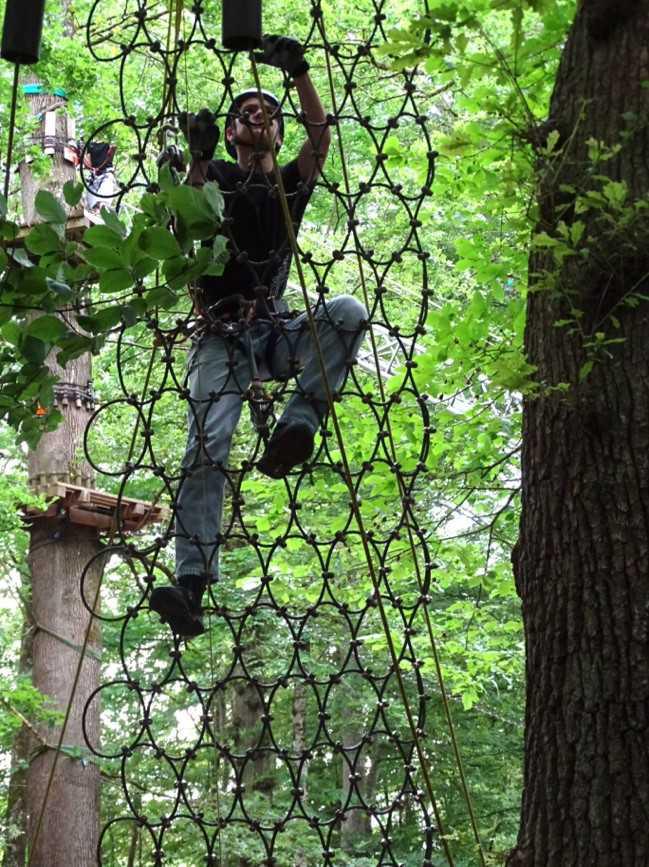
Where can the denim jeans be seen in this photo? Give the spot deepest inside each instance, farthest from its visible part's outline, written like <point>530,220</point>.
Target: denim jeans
<point>219,375</point>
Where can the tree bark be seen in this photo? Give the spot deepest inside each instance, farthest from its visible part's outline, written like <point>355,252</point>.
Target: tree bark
<point>69,828</point>
<point>355,828</point>
<point>62,171</point>
<point>298,717</point>
<point>257,770</point>
<point>63,819</point>
<point>581,560</point>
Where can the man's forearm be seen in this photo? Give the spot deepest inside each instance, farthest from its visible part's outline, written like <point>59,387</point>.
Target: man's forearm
<point>315,120</point>
<point>197,174</point>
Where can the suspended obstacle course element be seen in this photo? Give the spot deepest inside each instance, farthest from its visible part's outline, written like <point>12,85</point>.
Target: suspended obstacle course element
<point>241,24</point>
<point>22,30</point>
<point>304,725</point>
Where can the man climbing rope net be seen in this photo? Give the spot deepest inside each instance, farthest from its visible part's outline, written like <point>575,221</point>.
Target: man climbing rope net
<point>243,328</point>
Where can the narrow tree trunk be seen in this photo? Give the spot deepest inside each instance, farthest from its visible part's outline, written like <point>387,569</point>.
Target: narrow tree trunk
<point>355,828</point>
<point>247,710</point>
<point>581,562</point>
<point>298,716</point>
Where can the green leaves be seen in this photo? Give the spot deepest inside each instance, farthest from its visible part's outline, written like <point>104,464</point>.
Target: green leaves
<point>104,258</point>
<point>196,216</point>
<point>42,239</point>
<point>103,236</point>
<point>49,207</point>
<point>72,193</point>
<point>214,198</point>
<point>159,243</point>
<point>116,280</point>
<point>50,271</point>
<point>113,222</point>
<point>107,318</point>
<point>47,328</point>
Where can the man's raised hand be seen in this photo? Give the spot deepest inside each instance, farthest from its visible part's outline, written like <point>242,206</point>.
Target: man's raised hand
<point>284,53</point>
<point>201,132</point>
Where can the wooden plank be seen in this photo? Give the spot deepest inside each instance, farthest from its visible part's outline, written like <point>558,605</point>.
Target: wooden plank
<point>74,230</point>
<point>89,519</point>
<point>89,507</point>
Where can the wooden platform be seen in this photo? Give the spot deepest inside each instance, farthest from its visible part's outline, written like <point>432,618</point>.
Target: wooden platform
<point>97,509</point>
<point>75,227</point>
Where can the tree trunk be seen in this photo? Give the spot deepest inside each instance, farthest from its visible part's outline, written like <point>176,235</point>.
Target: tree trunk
<point>298,717</point>
<point>247,711</point>
<point>257,771</point>
<point>63,824</point>
<point>69,828</point>
<point>581,561</point>
<point>355,829</point>
<point>62,171</point>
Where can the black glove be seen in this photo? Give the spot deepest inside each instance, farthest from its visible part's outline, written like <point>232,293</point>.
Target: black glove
<point>172,156</point>
<point>201,132</point>
<point>284,53</point>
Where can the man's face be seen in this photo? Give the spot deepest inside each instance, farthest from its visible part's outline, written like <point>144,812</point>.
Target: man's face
<point>248,127</point>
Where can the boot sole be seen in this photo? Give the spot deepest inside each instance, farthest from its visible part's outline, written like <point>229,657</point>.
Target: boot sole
<point>291,447</point>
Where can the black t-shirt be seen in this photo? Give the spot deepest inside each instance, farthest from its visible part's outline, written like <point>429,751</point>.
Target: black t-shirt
<point>254,223</point>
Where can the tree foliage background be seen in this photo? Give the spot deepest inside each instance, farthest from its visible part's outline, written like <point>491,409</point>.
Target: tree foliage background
<point>487,70</point>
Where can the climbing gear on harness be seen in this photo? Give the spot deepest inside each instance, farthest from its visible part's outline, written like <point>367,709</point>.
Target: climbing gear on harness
<point>232,317</point>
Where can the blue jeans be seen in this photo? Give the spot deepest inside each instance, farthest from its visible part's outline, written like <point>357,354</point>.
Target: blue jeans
<point>218,377</point>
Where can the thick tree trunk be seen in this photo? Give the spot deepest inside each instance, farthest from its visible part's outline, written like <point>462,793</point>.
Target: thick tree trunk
<point>581,562</point>
<point>69,819</point>
<point>62,171</point>
<point>63,819</point>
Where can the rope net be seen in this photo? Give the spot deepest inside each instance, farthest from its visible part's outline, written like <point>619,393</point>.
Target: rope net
<point>305,724</point>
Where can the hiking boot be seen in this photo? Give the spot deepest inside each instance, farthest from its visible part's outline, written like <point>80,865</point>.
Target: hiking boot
<point>291,444</point>
<point>180,608</point>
